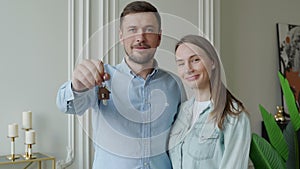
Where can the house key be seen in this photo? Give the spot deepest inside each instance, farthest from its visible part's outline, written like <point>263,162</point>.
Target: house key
<point>103,93</point>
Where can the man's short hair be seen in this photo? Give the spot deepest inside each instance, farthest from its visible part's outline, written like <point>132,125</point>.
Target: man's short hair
<point>139,7</point>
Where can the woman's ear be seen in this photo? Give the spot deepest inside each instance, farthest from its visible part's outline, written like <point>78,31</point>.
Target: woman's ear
<point>213,65</point>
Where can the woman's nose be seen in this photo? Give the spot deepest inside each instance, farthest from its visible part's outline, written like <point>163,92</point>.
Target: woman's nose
<point>188,69</point>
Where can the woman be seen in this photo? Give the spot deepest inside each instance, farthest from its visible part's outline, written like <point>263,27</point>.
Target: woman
<point>212,130</point>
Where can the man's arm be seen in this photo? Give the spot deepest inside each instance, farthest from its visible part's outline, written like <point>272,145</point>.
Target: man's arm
<point>76,96</point>
<point>71,102</point>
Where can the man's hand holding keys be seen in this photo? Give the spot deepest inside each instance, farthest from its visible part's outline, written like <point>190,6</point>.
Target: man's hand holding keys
<point>88,74</point>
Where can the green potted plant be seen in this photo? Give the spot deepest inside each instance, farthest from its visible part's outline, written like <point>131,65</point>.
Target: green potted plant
<point>283,150</point>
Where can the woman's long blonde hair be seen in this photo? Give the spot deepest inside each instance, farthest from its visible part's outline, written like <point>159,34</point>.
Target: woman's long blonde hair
<point>224,102</point>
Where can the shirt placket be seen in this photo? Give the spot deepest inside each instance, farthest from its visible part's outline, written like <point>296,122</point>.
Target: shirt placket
<point>146,128</point>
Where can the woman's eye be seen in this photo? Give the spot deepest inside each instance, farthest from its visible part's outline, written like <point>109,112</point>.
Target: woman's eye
<point>196,60</point>
<point>180,64</point>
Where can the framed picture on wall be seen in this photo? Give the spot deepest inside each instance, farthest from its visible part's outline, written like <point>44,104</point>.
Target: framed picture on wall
<point>289,56</point>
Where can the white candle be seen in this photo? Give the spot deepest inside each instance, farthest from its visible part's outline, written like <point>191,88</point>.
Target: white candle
<point>30,137</point>
<point>13,130</point>
<point>27,120</point>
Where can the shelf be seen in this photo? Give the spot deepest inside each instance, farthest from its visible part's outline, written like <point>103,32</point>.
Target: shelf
<point>39,158</point>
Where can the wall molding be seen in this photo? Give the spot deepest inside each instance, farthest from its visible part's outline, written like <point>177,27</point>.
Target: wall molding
<point>83,127</point>
<point>108,17</point>
<point>61,164</point>
<point>209,20</point>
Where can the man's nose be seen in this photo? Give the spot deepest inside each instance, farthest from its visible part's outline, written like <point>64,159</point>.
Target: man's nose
<point>140,37</point>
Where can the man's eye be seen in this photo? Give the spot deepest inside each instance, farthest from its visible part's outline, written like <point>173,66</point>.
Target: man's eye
<point>131,30</point>
<point>149,30</point>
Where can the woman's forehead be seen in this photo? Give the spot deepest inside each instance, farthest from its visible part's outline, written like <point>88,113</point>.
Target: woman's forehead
<point>189,49</point>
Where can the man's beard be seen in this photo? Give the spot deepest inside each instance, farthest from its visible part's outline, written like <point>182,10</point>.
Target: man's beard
<point>140,59</point>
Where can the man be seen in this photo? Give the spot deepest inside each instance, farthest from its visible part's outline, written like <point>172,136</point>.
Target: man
<point>130,129</point>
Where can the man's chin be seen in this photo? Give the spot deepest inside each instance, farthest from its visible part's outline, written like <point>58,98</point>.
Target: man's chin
<point>140,59</point>
<point>141,52</point>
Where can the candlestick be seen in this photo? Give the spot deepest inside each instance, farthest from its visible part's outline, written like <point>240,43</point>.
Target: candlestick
<point>29,141</point>
<point>26,149</point>
<point>27,120</point>
<point>13,133</point>
<point>13,130</point>
<point>12,155</point>
<point>29,155</point>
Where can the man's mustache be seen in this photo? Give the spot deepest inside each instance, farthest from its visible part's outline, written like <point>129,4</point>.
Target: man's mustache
<point>141,45</point>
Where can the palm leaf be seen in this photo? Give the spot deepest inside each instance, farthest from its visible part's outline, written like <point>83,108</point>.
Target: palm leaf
<point>263,155</point>
<point>290,101</point>
<point>291,139</point>
<point>295,121</point>
<point>275,134</point>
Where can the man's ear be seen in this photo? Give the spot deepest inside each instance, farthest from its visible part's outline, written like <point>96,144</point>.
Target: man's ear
<point>159,38</point>
<point>121,36</point>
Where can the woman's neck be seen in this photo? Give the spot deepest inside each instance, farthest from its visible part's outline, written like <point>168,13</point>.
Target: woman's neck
<point>202,94</point>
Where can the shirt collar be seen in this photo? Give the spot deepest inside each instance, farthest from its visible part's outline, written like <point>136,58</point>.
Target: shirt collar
<point>190,103</point>
<point>123,67</point>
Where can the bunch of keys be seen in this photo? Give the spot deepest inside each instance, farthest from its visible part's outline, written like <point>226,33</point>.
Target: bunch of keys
<point>103,93</point>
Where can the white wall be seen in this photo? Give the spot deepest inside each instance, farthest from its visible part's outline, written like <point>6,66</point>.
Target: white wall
<point>33,65</point>
<point>249,50</point>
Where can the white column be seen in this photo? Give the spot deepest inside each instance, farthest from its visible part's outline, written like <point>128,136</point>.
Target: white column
<point>60,164</point>
<point>209,20</point>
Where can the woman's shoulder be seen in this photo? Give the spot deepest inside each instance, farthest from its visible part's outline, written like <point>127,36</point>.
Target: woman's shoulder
<point>240,119</point>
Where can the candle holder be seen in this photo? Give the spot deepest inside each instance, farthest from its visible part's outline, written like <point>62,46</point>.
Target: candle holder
<point>26,149</point>
<point>12,155</point>
<point>29,141</point>
<point>29,154</point>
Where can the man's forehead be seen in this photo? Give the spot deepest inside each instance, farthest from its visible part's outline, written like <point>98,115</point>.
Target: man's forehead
<point>141,18</point>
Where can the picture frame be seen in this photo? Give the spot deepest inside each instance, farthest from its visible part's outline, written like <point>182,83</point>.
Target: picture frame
<point>289,57</point>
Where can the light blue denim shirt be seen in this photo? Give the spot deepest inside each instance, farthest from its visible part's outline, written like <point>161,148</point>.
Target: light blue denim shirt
<point>204,145</point>
<point>131,130</point>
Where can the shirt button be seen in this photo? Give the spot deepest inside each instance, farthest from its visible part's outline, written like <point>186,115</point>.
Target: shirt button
<point>145,164</point>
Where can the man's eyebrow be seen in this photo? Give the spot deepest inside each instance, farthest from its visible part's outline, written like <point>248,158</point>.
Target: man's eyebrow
<point>131,26</point>
<point>152,26</point>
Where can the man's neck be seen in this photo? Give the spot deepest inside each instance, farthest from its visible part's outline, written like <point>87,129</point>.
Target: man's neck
<point>141,70</point>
